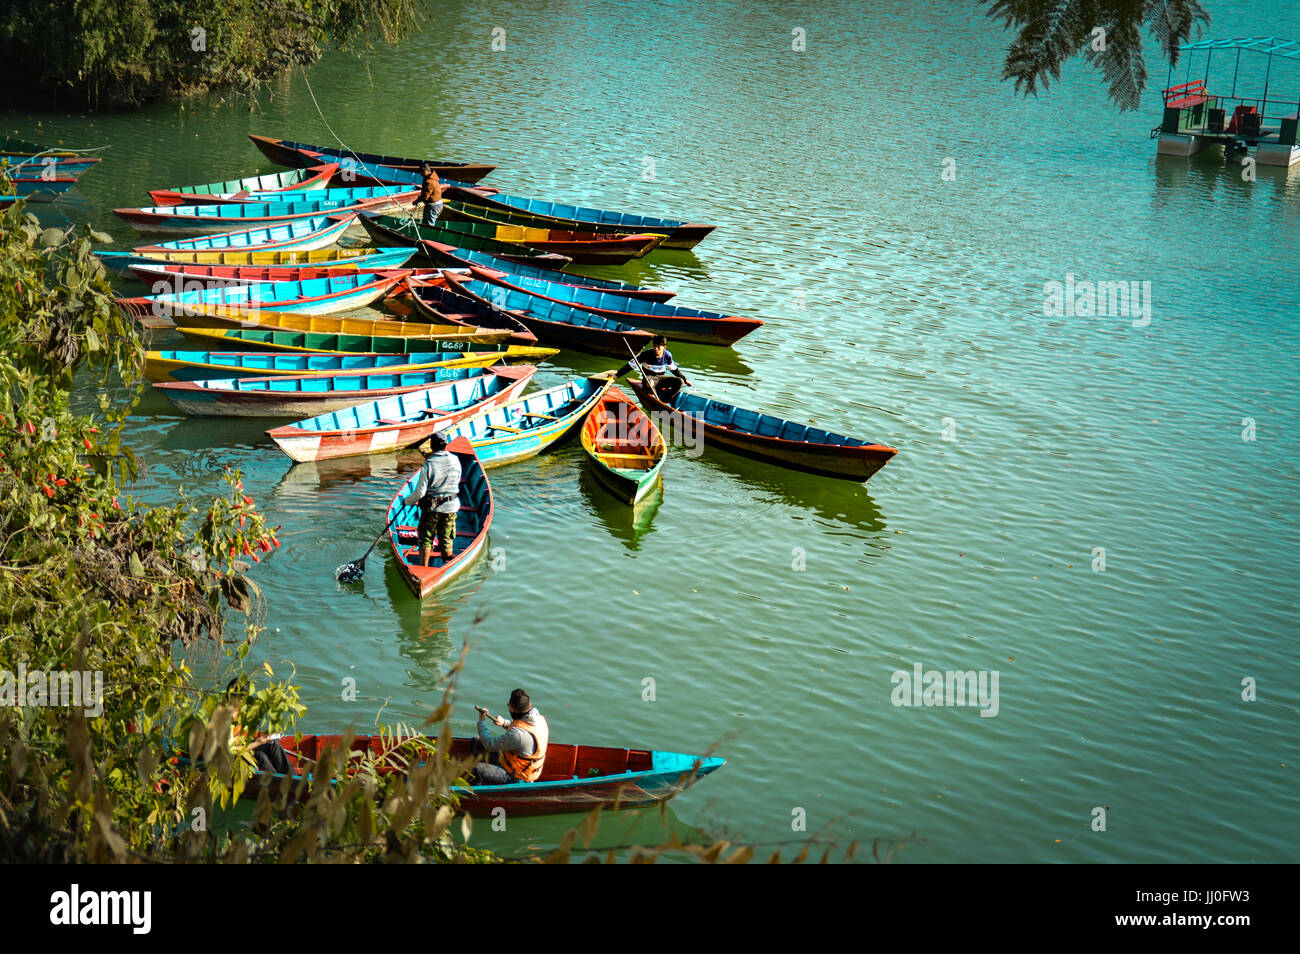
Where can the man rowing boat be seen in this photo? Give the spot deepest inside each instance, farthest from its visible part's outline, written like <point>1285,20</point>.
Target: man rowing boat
<point>437,493</point>
<point>658,368</point>
<point>430,194</point>
<point>520,753</point>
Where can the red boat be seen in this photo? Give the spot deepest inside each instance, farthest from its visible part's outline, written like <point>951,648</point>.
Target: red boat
<point>575,778</point>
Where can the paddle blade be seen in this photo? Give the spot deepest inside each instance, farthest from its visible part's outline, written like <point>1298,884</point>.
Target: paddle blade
<point>350,572</point>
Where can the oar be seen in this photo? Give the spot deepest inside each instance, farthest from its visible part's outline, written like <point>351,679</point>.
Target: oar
<point>639,370</point>
<point>351,572</point>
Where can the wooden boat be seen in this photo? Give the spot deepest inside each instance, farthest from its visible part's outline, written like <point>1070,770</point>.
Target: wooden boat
<point>36,188</point>
<point>355,172</point>
<point>539,213</point>
<point>286,153</point>
<point>625,448</point>
<point>674,321</point>
<point>472,523</point>
<point>552,322</point>
<point>319,296</point>
<point>300,395</point>
<point>766,437</point>
<point>250,338</point>
<point>296,181</point>
<point>237,215</point>
<point>449,256</point>
<point>526,427</point>
<point>303,235</point>
<point>351,259</point>
<point>403,420</point>
<point>66,162</point>
<point>575,778</point>
<point>207,365</point>
<point>178,276</point>
<point>391,230</point>
<point>585,247</point>
<point>427,306</point>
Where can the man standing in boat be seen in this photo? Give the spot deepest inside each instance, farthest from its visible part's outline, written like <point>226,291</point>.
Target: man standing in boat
<point>437,492</point>
<point>430,194</point>
<point>658,368</point>
<point>519,754</point>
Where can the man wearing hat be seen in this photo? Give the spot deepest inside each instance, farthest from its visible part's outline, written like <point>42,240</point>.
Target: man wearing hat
<point>437,493</point>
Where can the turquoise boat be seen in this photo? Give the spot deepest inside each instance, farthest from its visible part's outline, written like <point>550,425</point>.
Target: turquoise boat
<point>401,420</point>
<point>209,365</point>
<point>317,231</point>
<point>225,216</point>
<point>302,395</point>
<point>316,296</point>
<point>528,426</point>
<point>295,181</point>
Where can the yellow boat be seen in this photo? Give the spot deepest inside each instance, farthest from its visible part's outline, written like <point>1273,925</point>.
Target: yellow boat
<point>224,316</point>
<point>269,339</point>
<point>314,258</point>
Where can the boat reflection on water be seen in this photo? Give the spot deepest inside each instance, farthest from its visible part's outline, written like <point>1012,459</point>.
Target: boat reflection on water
<point>628,524</point>
<point>370,469</point>
<point>617,831</point>
<point>837,504</point>
<point>424,626</point>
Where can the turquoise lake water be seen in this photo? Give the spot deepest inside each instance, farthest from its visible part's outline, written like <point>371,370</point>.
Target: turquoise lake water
<point>901,306</point>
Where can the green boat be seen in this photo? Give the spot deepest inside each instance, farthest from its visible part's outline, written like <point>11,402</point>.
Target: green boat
<point>258,339</point>
<point>475,236</point>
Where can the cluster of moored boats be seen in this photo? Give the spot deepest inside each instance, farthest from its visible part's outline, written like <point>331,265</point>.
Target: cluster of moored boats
<point>255,276</point>
<point>39,173</point>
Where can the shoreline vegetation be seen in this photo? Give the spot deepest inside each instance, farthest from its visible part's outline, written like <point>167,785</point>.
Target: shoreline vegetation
<point>97,590</point>
<point>121,54</point>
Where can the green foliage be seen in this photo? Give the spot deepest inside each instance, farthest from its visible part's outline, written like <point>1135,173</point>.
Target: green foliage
<point>122,53</point>
<point>1050,32</point>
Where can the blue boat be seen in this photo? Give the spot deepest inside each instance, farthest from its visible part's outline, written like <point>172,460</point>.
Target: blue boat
<point>539,212</point>
<point>316,296</point>
<point>526,427</point>
<point>675,321</point>
<point>315,232</point>
<point>450,256</point>
<point>228,215</point>
<point>301,395</point>
<point>555,324</point>
<point>352,169</point>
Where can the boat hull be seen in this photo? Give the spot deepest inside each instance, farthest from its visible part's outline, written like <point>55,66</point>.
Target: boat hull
<point>624,448</point>
<point>472,524</point>
<point>293,154</point>
<point>305,235</point>
<point>217,365</point>
<point>575,778</point>
<point>681,235</point>
<point>856,463</point>
<point>303,445</point>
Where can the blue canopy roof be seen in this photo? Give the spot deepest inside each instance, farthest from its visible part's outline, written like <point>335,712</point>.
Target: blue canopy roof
<point>1269,45</point>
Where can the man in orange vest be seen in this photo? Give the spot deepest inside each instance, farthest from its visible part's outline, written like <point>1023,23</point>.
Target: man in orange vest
<point>520,753</point>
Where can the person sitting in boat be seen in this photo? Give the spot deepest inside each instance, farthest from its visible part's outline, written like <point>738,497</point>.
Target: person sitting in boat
<point>430,194</point>
<point>519,754</point>
<point>658,368</point>
<point>268,753</point>
<point>437,493</point>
